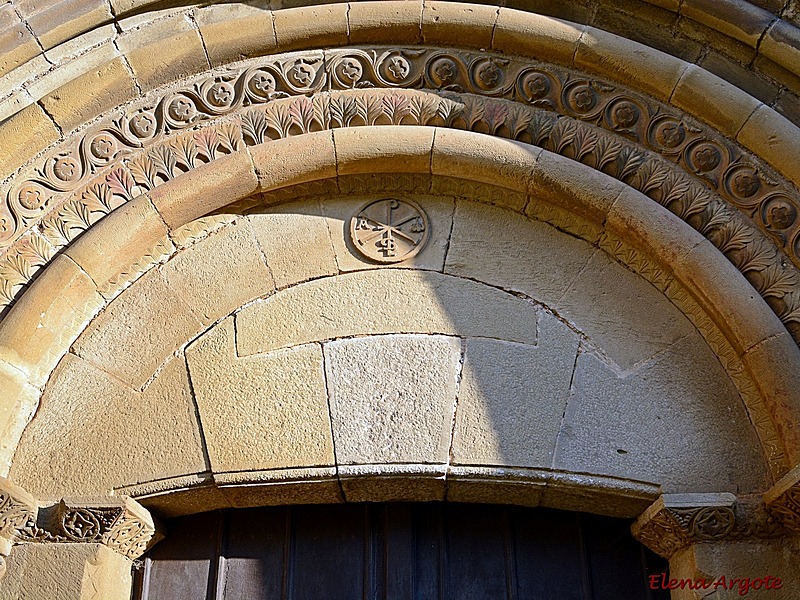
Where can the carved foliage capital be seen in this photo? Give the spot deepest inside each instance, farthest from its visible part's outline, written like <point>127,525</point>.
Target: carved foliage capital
<point>783,500</point>
<point>675,521</point>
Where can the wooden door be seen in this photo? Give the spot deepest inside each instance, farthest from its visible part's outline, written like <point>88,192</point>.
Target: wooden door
<point>425,551</point>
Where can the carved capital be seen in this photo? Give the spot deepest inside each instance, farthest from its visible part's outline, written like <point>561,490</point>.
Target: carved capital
<point>675,521</point>
<point>122,524</point>
<point>783,500</point>
<point>17,509</point>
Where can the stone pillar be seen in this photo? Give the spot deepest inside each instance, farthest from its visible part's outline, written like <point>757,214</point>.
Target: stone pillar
<point>721,547</point>
<point>77,549</point>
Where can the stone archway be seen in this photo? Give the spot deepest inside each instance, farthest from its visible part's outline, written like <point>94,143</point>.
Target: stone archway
<point>584,154</point>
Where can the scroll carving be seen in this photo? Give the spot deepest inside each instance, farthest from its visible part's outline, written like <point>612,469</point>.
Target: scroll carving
<point>748,212</point>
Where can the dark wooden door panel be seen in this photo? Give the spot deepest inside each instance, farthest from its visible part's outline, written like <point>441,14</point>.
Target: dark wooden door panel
<point>436,551</point>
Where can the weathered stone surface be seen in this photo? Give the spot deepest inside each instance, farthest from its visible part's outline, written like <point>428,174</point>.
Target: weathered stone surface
<point>382,301</point>
<point>89,95</point>
<point>98,434</point>
<point>295,241</point>
<point>277,487</point>
<point>505,249</point>
<point>393,483</point>
<point>457,24</point>
<point>661,424</point>
<point>18,401</point>
<point>536,35</point>
<point>23,136</point>
<point>512,396</point>
<point>486,485</point>
<point>713,100</point>
<point>40,328</point>
<point>313,157</point>
<point>311,27</point>
<point>339,213</point>
<point>621,313</point>
<point>17,44</point>
<point>395,23</point>
<point>383,149</point>
<point>263,412</point>
<point>234,32</point>
<point>85,571</point>
<point>164,51</point>
<point>220,274</point>
<point>138,331</point>
<point>392,397</point>
<point>773,138</point>
<point>56,22</point>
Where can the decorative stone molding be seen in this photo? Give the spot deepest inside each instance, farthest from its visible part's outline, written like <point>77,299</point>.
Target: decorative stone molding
<point>675,521</point>
<point>783,500</point>
<point>17,509</point>
<point>121,523</point>
<point>694,172</point>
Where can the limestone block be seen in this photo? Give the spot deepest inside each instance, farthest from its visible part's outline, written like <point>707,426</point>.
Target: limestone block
<point>394,23</point>
<point>644,68</point>
<point>71,67</point>
<point>295,241</point>
<point>72,50</point>
<point>99,434</point>
<point>661,424</point>
<point>56,22</point>
<point>392,398</point>
<point>599,495</point>
<point>312,157</point>
<point>315,485</point>
<point>17,44</point>
<point>735,305</point>
<point>84,571</point>
<point>530,34</point>
<point>311,27</point>
<point>91,94</point>
<point>393,483</point>
<point>205,189</point>
<point>779,386</point>
<point>18,401</point>
<point>512,397</point>
<point>42,325</point>
<point>458,24</point>
<point>164,51</point>
<point>383,149</point>
<point>258,413</point>
<point>220,274</point>
<point>458,152</point>
<point>138,331</point>
<point>621,313</point>
<point>579,190</point>
<point>774,138</point>
<point>233,32</point>
<point>339,212</point>
<point>714,100</point>
<point>742,21</point>
<point>487,485</point>
<point>127,236</point>
<point>507,250</point>
<point>382,301</point>
<point>24,135</point>
<point>782,45</point>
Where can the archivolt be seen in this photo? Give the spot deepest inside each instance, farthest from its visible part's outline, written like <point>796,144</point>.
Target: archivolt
<point>687,167</point>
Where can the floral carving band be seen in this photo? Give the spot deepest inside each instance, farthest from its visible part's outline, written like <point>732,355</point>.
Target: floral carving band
<point>735,200</point>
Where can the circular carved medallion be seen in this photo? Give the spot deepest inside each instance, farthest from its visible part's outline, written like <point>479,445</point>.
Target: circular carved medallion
<point>389,230</point>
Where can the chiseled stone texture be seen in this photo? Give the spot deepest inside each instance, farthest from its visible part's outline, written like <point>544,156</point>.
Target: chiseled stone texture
<point>662,423</point>
<point>203,275</point>
<point>66,572</point>
<point>621,313</point>
<point>97,434</point>
<point>440,216</point>
<point>263,412</point>
<point>512,396</point>
<point>139,330</point>
<point>295,241</point>
<point>383,301</point>
<point>392,397</point>
<point>505,249</point>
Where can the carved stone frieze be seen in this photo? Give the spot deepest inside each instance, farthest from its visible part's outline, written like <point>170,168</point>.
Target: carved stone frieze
<point>694,172</point>
<point>122,524</point>
<point>675,521</point>
<point>783,500</point>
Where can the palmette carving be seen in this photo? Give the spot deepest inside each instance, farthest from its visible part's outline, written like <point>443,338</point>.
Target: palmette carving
<point>695,173</point>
